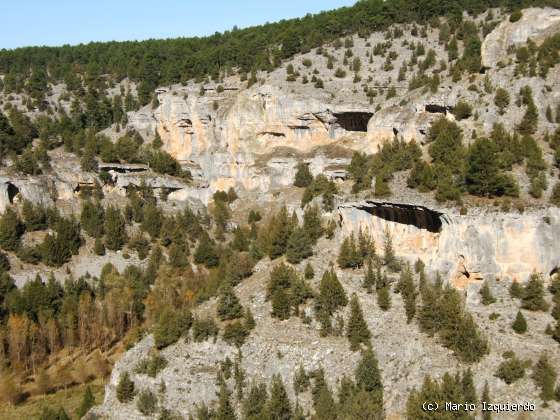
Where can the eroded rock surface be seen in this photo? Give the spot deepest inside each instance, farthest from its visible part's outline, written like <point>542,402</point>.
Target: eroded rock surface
<point>535,24</point>
<point>481,244</point>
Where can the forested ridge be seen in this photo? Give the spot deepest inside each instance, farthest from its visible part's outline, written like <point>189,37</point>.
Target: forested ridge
<point>159,62</point>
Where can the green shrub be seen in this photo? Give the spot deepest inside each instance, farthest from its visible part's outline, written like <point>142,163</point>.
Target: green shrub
<point>340,73</point>
<point>204,328</point>
<point>520,324</point>
<point>172,324</point>
<point>147,403</point>
<point>235,333</point>
<point>151,366</point>
<point>533,295</point>
<point>125,388</point>
<point>511,370</point>
<point>462,110</point>
<point>515,15</point>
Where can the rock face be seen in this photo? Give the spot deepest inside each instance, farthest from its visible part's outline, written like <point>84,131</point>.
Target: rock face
<point>535,24</point>
<point>462,248</point>
<point>239,136</point>
<point>34,190</point>
<point>226,145</point>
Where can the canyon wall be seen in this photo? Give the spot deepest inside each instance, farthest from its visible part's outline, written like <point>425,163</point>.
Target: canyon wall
<point>462,248</point>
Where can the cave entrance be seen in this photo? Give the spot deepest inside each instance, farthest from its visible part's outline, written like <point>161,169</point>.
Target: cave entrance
<point>436,109</point>
<point>419,216</point>
<point>354,120</point>
<point>13,191</point>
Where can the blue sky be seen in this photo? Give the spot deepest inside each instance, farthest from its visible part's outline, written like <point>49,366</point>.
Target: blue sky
<point>40,22</point>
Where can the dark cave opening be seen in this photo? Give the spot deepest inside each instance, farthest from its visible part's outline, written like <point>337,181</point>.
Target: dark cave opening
<point>353,121</point>
<point>419,216</point>
<point>273,134</point>
<point>123,169</point>
<point>436,109</point>
<point>12,192</point>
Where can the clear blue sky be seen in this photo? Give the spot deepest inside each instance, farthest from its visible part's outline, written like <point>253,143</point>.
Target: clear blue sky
<point>57,22</point>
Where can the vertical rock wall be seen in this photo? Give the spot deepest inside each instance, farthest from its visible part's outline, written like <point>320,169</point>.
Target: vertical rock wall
<point>471,247</point>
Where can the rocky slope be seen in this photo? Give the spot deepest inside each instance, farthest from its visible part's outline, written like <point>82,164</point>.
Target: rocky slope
<point>227,135</point>
<point>279,347</point>
<point>252,138</point>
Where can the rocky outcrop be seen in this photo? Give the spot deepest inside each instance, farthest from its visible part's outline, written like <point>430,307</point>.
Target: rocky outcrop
<point>483,244</point>
<point>16,189</point>
<point>406,123</point>
<point>226,146</point>
<point>535,24</point>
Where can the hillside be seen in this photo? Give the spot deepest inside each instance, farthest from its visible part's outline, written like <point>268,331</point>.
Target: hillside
<point>334,217</point>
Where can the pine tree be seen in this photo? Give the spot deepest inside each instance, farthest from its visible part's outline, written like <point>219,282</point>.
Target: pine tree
<point>511,370</point>
<point>486,294</point>
<point>301,380</point>
<point>228,307</point>
<point>533,295</point>
<point>249,319</point>
<point>125,388</point>
<point>501,100</point>
<point>92,219</point>
<point>88,401</point>
<point>467,384</point>
<point>278,407</point>
<point>357,330</point>
<point>408,292</point>
<point>369,278</point>
<point>323,401</point>
<point>206,253</point>
<point>280,305</point>
<point>115,232</point>
<point>88,162</point>
<point>171,325</point>
<point>529,123</point>
<point>515,290</point>
<point>309,273</point>
<point>279,231</point>
<point>368,377</point>
<point>303,176</point>
<point>254,405</point>
<point>384,298</point>
<point>366,246</point>
<point>298,247</point>
<point>11,230</point>
<point>152,220</point>
<point>312,224</point>
<point>349,256</point>
<point>34,217</point>
<point>520,324</point>
<point>225,410</point>
<point>345,254</point>
<point>240,242</point>
<point>544,376</point>
<point>282,276</point>
<point>331,293</point>
<point>389,257</point>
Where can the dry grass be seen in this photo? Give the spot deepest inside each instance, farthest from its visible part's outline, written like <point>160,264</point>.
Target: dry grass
<point>70,399</point>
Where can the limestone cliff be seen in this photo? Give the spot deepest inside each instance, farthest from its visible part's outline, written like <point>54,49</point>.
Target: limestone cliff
<point>484,244</point>
<point>228,135</point>
<point>535,24</point>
